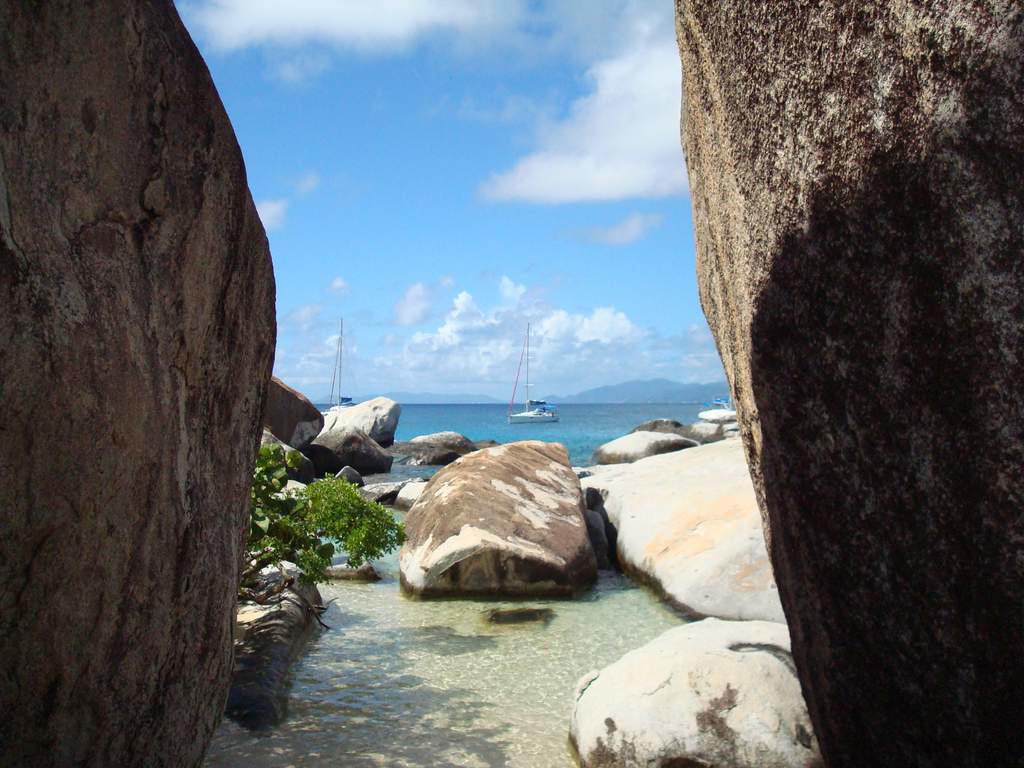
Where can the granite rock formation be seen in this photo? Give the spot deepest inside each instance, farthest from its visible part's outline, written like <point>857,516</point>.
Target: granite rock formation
<point>506,521</point>
<point>291,416</point>
<point>137,307</point>
<point>857,177</point>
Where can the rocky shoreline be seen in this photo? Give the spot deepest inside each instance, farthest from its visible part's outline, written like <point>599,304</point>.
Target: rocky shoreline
<point>670,505</point>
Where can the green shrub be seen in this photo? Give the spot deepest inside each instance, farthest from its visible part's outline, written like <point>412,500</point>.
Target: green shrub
<point>303,527</point>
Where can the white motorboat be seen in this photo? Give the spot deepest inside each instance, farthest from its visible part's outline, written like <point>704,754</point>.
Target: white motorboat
<point>722,412</point>
<point>534,411</point>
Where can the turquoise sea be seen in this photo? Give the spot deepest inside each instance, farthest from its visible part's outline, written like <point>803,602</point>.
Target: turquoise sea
<point>581,428</point>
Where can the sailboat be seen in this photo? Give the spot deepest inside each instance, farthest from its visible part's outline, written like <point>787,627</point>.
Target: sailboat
<point>337,401</point>
<point>535,410</point>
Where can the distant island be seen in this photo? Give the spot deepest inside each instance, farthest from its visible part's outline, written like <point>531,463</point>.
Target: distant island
<point>647,391</point>
<point>639,391</point>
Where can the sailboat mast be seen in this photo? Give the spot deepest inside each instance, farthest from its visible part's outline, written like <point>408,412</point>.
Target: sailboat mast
<point>341,352</point>
<point>527,366</point>
<point>337,366</point>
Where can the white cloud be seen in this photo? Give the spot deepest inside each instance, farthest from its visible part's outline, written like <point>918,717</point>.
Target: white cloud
<point>339,286</point>
<point>414,305</point>
<point>307,183</point>
<point>272,212</point>
<point>629,230</point>
<point>363,26</point>
<point>511,292</point>
<point>299,67</point>
<point>621,140</point>
<point>303,317</point>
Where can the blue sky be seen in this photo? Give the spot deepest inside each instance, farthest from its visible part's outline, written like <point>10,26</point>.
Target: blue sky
<point>441,172</point>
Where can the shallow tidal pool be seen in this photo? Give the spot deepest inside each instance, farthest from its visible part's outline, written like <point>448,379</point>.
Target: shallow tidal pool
<point>402,682</point>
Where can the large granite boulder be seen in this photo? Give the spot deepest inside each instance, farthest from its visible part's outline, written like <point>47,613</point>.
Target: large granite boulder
<point>137,308</point>
<point>501,521</point>
<point>640,445</point>
<point>688,524</point>
<point>711,693</point>
<point>377,417</point>
<point>290,415</point>
<point>338,447</point>
<point>451,440</point>
<point>857,178</point>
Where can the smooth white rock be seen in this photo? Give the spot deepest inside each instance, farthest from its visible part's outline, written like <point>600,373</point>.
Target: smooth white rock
<point>640,445</point>
<point>377,417</point>
<point>721,693</point>
<point>690,522</point>
<point>408,494</point>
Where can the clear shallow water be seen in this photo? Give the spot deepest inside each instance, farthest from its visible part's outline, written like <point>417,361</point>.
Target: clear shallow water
<point>400,682</point>
<point>581,428</point>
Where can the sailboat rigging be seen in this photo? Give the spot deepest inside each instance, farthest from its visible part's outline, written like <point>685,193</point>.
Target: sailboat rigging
<point>534,410</point>
<point>337,401</point>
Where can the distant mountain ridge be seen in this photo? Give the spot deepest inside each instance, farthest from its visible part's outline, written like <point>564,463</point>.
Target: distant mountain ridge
<point>647,391</point>
<point>639,391</point>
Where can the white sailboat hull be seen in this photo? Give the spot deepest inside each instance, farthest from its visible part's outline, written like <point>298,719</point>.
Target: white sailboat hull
<point>532,417</point>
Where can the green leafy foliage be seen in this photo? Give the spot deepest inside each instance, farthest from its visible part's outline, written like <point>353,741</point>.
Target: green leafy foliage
<point>304,527</point>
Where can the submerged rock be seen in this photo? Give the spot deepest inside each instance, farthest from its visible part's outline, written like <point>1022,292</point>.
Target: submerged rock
<point>640,445</point>
<point>857,176</point>
<point>290,415</point>
<point>502,521</point>
<point>335,448</point>
<point>378,418</point>
<point>688,522</point>
<point>137,317</point>
<point>365,572</point>
<point>710,693</point>
<point>519,615</point>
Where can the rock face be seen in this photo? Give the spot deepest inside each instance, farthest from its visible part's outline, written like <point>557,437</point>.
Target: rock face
<point>338,446</point>
<point>640,445</point>
<point>137,308</point>
<point>857,178</point>
<point>501,521</point>
<point>290,415</point>
<point>377,417</point>
<point>688,523</point>
<point>711,693</point>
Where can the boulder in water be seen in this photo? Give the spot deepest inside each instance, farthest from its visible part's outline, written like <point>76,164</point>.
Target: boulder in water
<point>377,417</point>
<point>640,445</point>
<point>688,523</point>
<point>502,521</point>
<point>709,693</point>
<point>338,447</point>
